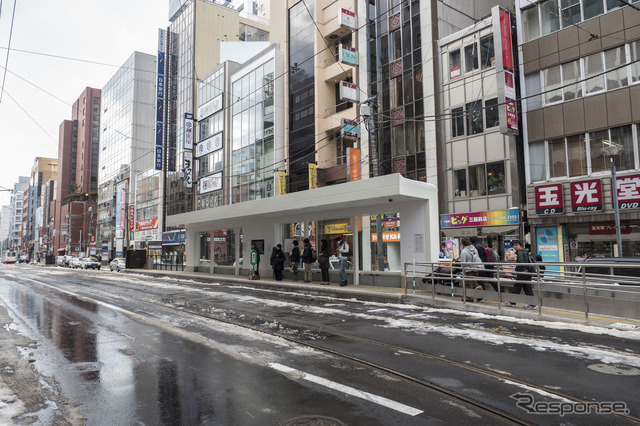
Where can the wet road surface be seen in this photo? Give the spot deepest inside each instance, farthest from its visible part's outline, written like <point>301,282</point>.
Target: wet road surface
<point>126,349</point>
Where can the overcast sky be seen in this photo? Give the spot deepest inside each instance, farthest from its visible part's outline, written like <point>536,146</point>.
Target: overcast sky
<point>107,32</point>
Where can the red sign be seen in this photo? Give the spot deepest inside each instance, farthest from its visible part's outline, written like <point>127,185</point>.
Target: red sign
<point>608,228</point>
<point>143,225</point>
<point>628,192</point>
<point>132,211</point>
<point>586,196</point>
<point>512,116</point>
<point>505,37</point>
<point>549,199</point>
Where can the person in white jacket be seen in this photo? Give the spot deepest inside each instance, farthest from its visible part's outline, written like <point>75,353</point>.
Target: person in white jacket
<point>471,262</point>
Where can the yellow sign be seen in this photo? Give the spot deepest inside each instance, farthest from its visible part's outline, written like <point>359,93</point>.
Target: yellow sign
<point>282,183</point>
<point>313,176</point>
<point>336,228</point>
<point>386,237</point>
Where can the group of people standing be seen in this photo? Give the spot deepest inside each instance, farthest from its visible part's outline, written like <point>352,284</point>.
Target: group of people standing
<point>474,255</point>
<point>306,257</point>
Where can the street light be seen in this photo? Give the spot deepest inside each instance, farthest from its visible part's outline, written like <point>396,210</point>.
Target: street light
<point>612,151</point>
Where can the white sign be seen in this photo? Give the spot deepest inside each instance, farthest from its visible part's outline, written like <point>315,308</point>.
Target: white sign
<point>210,183</point>
<point>188,131</point>
<point>209,145</point>
<point>187,170</point>
<point>347,55</point>
<point>162,40</point>
<point>348,91</point>
<point>348,19</point>
<point>211,107</point>
<point>509,89</point>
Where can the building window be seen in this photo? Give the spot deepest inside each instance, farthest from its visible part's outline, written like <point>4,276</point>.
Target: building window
<point>454,63</point>
<point>537,163</point>
<point>495,178</point>
<point>460,177</point>
<point>553,84</point>
<point>557,158</point>
<point>593,73</point>
<point>624,136</point>
<point>570,77</point>
<point>570,12</point>
<point>457,122</point>
<point>635,61</point>
<point>577,155</point>
<point>487,55</point>
<point>471,57</point>
<point>492,117</point>
<point>396,45</point>
<point>474,118</point>
<point>531,23</point>
<point>614,60</point>
<point>533,88</point>
<point>592,8</point>
<point>549,16</point>
<point>477,185</point>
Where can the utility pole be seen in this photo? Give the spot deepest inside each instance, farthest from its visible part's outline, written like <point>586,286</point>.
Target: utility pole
<point>68,233</point>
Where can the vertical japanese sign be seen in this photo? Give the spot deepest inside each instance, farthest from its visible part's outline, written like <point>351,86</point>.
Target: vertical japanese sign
<point>132,211</point>
<point>505,65</point>
<point>281,182</point>
<point>187,170</point>
<point>123,204</point>
<point>354,164</point>
<point>628,188</point>
<point>313,176</point>
<point>160,95</point>
<point>188,131</point>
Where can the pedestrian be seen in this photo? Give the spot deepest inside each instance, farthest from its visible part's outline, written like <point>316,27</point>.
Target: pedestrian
<point>541,267</point>
<point>272,261</point>
<point>342,253</point>
<point>488,272</point>
<point>472,264</point>
<point>323,261</point>
<point>295,259</point>
<point>307,260</point>
<point>278,259</point>
<point>523,274</point>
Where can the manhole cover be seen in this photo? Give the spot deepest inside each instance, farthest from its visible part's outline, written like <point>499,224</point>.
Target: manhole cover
<point>615,370</point>
<point>313,421</point>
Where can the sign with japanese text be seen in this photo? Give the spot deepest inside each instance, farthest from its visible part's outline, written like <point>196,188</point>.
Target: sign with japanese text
<point>348,19</point>
<point>489,218</point>
<point>608,228</point>
<point>187,170</point>
<point>209,108</point>
<point>145,224</point>
<point>512,117</point>
<point>586,196</point>
<point>349,128</point>
<point>354,164</point>
<point>549,199</point>
<point>386,237</point>
<point>337,228</point>
<point>347,54</point>
<point>348,92</point>
<point>281,182</point>
<point>628,189</point>
<point>209,145</point>
<point>188,131</point>
<point>210,183</point>
<point>132,214</point>
<point>313,176</point>
<point>158,158</point>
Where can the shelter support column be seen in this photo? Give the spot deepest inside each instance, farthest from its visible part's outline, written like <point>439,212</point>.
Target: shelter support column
<point>191,248</point>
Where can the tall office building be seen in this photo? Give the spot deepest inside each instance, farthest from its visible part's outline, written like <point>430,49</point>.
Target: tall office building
<point>15,225</point>
<point>43,170</point>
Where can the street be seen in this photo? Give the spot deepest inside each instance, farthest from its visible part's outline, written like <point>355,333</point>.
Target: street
<point>106,348</point>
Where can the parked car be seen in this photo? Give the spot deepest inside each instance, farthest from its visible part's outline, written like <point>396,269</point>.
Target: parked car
<point>60,261</point>
<point>90,263</point>
<point>75,262</point>
<point>117,264</point>
<point>626,268</point>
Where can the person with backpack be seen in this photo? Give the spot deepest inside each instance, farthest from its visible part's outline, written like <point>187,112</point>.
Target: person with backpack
<point>523,274</point>
<point>295,259</point>
<point>342,254</point>
<point>470,259</point>
<point>278,259</point>
<point>323,262</point>
<point>488,255</point>
<point>307,260</point>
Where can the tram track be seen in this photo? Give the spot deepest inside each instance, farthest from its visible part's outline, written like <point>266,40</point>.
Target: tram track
<point>249,320</point>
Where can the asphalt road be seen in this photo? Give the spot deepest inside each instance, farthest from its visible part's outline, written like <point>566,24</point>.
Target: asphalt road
<point>85,347</point>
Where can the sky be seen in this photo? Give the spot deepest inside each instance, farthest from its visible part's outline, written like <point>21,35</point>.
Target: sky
<point>39,88</point>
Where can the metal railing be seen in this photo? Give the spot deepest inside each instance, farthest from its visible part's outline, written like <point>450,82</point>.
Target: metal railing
<point>166,263</point>
<point>581,287</point>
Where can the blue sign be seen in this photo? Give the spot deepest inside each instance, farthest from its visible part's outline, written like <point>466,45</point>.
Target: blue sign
<point>159,131</point>
<point>159,111</point>
<point>161,63</point>
<point>158,162</point>
<point>547,245</point>
<point>172,238</point>
<point>160,87</point>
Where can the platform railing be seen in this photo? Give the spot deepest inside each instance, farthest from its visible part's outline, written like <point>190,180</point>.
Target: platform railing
<point>593,288</point>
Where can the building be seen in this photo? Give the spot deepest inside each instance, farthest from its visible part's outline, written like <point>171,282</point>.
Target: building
<point>15,223</point>
<point>127,136</point>
<point>581,97</point>
<point>5,224</point>
<point>77,186</point>
<point>43,170</point>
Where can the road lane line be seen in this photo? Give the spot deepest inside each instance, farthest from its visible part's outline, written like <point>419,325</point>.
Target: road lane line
<point>347,389</point>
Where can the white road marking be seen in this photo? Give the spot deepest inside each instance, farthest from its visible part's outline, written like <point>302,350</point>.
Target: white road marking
<point>377,310</point>
<point>347,389</point>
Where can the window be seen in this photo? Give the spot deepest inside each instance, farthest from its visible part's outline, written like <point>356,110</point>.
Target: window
<point>477,186</point>
<point>592,8</point>
<point>531,22</point>
<point>614,60</point>
<point>396,45</point>
<point>635,61</point>
<point>454,63</point>
<point>593,67</point>
<point>487,56</point>
<point>471,57</point>
<point>460,182</point>
<point>553,84</point>
<point>534,88</point>
<point>597,141</point>
<point>537,162</point>
<point>457,122</point>
<point>570,12</point>
<point>549,16</point>
<point>557,158</point>
<point>491,113</point>
<point>623,136</point>
<point>570,77</point>
<point>474,118</point>
<point>395,92</point>
<point>495,178</point>
<point>577,153</point>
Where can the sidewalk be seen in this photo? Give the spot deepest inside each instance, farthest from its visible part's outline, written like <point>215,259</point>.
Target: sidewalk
<point>397,295</point>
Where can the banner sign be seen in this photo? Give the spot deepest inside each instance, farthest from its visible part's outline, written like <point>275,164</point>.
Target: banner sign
<point>337,228</point>
<point>210,183</point>
<point>160,94</point>
<point>348,19</point>
<point>313,176</point>
<point>132,216</point>
<point>549,199</point>
<point>209,145</point>
<point>159,111</point>
<point>347,54</point>
<point>348,92</point>
<point>281,182</point>
<point>387,237</point>
<point>160,86</point>
<point>508,110</point>
<point>188,131</point>
<point>158,158</point>
<point>209,108</point>
<point>490,218</point>
<point>187,170</point>
<point>143,225</point>
<point>628,188</point>
<point>586,196</point>
<point>608,228</point>
<point>353,170</point>
<point>172,238</point>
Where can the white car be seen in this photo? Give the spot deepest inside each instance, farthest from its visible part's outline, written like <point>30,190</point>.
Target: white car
<point>118,264</point>
<point>75,262</point>
<point>90,263</point>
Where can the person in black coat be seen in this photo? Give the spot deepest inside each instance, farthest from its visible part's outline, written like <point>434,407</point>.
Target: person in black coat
<point>277,261</point>
<point>295,259</point>
<point>323,261</point>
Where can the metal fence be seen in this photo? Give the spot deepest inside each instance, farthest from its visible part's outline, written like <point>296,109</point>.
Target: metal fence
<point>593,288</point>
<point>166,262</point>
